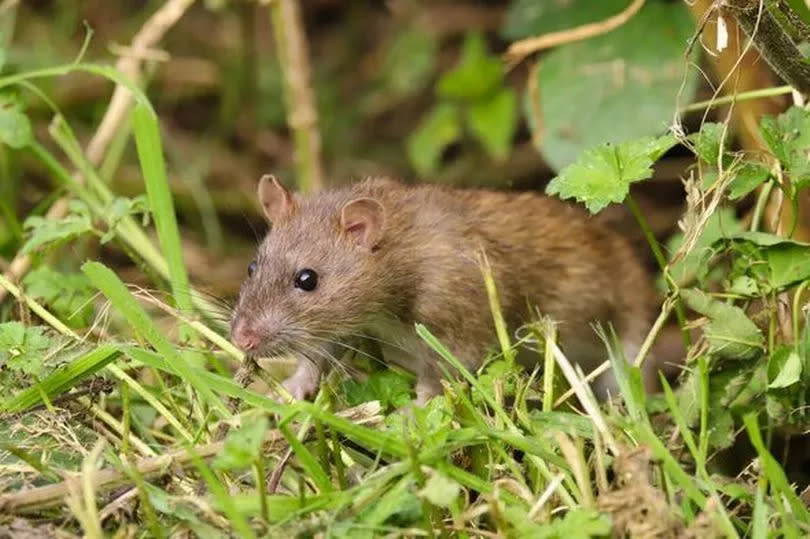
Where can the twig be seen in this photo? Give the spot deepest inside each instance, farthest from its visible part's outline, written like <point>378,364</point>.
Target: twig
<point>150,33</point>
<point>773,43</point>
<point>278,471</point>
<point>302,116</point>
<point>521,49</point>
<point>735,98</point>
<point>244,377</point>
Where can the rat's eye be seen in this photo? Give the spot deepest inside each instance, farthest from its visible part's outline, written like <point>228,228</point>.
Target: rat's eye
<point>251,268</point>
<point>306,280</point>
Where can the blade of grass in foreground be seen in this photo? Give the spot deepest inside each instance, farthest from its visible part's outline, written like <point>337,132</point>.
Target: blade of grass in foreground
<point>111,286</point>
<point>773,471</point>
<point>150,154</point>
<point>63,379</point>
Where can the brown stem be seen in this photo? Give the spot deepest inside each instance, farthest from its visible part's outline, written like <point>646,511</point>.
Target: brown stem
<point>302,116</point>
<point>772,41</point>
<point>244,377</point>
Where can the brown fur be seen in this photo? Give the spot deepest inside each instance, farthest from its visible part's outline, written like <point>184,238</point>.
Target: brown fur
<point>424,268</point>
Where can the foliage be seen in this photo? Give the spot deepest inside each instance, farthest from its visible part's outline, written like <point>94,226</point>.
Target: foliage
<point>93,350</point>
<point>473,91</point>
<point>613,88</point>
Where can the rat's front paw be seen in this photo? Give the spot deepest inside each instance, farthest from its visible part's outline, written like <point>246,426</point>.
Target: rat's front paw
<point>301,389</point>
<point>305,381</point>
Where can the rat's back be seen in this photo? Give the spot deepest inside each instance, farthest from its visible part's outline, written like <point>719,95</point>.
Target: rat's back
<point>545,255</point>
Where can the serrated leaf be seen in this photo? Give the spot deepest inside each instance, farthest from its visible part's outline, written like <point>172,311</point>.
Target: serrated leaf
<point>44,231</point>
<point>788,137</point>
<point>243,445</point>
<point>603,174</point>
<point>747,177</point>
<point>477,74</point>
<point>707,142</point>
<point>614,87</point>
<point>439,490</point>
<point>784,368</point>
<point>493,121</point>
<point>67,294</point>
<point>730,332</point>
<point>22,348</point>
<point>389,387</point>
<point>440,128</point>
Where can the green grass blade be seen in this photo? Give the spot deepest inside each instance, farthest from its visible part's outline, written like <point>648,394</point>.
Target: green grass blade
<point>111,286</point>
<point>148,142</point>
<point>759,520</point>
<point>370,438</point>
<point>220,384</point>
<point>222,497</point>
<point>63,379</point>
<point>308,461</point>
<point>107,72</point>
<point>440,349</point>
<point>773,471</point>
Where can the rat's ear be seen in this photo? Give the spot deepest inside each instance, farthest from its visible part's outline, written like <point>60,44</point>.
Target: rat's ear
<point>276,201</point>
<point>362,219</point>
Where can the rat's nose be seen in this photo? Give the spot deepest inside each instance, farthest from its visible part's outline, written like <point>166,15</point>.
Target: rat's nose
<point>245,336</point>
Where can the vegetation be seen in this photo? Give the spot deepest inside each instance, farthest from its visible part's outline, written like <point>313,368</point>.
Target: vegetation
<point>127,176</point>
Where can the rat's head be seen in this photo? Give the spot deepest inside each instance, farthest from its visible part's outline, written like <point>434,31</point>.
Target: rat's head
<point>315,278</point>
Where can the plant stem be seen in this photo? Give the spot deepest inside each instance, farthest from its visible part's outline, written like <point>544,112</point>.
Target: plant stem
<point>773,41</point>
<point>662,263</point>
<point>302,116</point>
<point>734,98</point>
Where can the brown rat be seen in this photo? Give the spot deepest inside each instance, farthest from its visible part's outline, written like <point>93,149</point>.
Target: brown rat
<point>376,257</point>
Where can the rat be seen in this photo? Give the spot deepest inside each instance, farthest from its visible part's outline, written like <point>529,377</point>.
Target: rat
<point>374,258</point>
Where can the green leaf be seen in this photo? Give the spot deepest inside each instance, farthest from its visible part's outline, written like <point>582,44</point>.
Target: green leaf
<point>579,523</point>
<point>603,174</point>
<point>721,224</point>
<point>780,261</point>
<point>45,232</point>
<point>67,294</point>
<point>440,128</point>
<point>23,349</point>
<point>243,445</point>
<point>788,137</point>
<point>389,387</point>
<point>15,127</point>
<point>439,490</point>
<point>614,87</point>
<point>477,74</point>
<point>529,18</point>
<point>493,121</point>
<point>784,368</point>
<point>747,176</point>
<point>150,154</point>
<point>64,378</point>
<point>730,332</point>
<point>707,142</point>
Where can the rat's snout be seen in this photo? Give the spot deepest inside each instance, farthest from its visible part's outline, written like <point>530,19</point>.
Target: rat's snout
<point>245,335</point>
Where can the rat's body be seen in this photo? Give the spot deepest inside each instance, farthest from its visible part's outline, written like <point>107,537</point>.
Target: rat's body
<point>388,256</point>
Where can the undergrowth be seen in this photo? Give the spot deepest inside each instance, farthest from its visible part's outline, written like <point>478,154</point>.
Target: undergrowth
<point>113,395</point>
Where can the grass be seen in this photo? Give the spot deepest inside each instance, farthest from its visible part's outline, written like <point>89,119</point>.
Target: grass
<point>499,454</point>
